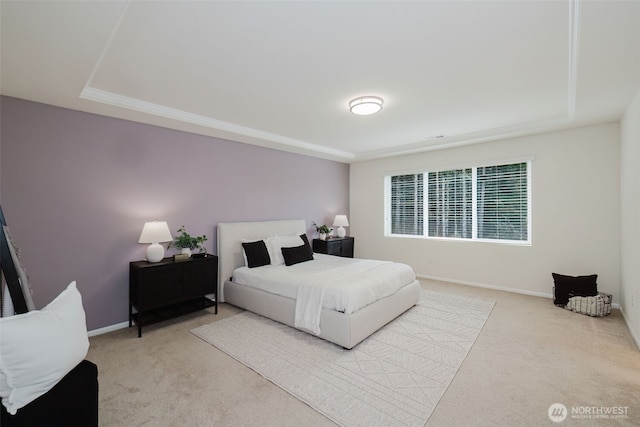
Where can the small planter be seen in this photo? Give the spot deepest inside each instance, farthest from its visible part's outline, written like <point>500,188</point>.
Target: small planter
<point>186,243</point>
<point>322,230</point>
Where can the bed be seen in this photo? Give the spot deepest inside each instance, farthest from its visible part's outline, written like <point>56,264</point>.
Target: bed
<point>345,328</point>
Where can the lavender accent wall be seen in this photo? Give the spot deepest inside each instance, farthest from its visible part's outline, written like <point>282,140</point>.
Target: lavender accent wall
<point>76,189</point>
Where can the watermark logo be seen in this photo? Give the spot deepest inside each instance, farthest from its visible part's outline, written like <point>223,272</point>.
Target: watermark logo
<point>557,412</point>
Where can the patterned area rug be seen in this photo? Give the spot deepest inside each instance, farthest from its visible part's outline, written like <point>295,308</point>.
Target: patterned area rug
<point>393,378</point>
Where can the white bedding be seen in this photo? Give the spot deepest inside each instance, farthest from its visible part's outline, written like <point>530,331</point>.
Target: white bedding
<point>341,284</point>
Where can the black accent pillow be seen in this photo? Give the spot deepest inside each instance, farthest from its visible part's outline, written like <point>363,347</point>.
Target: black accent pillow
<point>306,243</point>
<point>256,253</point>
<point>296,255</point>
<point>570,286</point>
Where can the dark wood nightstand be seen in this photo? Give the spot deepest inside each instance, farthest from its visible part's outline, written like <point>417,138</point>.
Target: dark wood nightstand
<point>165,289</point>
<point>339,246</point>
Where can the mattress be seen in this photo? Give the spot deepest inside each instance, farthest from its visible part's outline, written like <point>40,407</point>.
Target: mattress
<point>341,284</point>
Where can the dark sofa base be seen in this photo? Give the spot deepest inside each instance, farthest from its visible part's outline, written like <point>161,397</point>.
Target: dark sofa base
<point>72,402</point>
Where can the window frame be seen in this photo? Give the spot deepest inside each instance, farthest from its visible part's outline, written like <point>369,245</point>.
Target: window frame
<point>474,222</point>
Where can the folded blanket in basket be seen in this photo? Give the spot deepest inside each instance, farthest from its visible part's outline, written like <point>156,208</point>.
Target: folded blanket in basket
<point>596,306</point>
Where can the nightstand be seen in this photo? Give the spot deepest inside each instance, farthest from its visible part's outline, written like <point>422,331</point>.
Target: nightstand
<point>339,246</point>
<point>166,289</point>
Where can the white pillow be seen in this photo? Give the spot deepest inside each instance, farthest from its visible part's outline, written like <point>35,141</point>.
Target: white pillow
<point>276,243</point>
<point>38,348</point>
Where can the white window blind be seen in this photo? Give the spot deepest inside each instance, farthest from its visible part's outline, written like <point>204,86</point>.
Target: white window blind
<point>502,199</point>
<point>407,204</point>
<point>450,203</point>
<point>479,203</point>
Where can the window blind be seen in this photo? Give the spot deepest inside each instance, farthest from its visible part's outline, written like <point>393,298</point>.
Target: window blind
<point>502,200</point>
<point>487,203</point>
<point>407,204</point>
<point>450,203</point>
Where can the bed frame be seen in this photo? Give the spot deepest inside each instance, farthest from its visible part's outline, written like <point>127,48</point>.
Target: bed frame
<point>338,328</point>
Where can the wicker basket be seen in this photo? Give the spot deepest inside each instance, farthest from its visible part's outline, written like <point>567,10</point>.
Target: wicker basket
<point>596,306</point>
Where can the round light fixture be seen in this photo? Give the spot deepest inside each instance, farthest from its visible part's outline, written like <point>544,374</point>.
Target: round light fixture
<point>365,105</point>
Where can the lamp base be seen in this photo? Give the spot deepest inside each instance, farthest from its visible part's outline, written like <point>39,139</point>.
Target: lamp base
<point>155,252</point>
<point>341,231</point>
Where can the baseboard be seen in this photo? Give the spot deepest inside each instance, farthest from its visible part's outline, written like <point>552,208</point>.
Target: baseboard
<point>634,335</point>
<point>497,288</point>
<point>106,329</point>
<point>484,285</point>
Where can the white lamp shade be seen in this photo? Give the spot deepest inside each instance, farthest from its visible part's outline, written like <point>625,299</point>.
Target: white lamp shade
<point>341,221</point>
<point>155,232</point>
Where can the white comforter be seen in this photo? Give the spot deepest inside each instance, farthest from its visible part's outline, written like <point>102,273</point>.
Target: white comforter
<point>341,284</point>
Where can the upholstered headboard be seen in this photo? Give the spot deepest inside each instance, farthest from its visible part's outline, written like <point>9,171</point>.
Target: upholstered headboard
<point>232,234</point>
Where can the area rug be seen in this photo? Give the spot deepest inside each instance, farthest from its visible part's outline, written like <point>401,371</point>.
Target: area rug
<point>393,378</point>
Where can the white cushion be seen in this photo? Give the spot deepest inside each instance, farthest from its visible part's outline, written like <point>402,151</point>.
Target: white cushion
<point>38,348</point>
<point>276,243</point>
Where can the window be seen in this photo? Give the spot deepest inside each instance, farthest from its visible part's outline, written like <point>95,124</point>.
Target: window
<point>450,203</point>
<point>479,203</point>
<point>407,204</point>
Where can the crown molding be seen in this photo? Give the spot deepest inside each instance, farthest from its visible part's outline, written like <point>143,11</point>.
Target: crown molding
<point>271,140</point>
<point>509,131</point>
<point>121,101</point>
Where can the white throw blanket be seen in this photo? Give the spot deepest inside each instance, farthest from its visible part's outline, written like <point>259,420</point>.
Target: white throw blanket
<point>341,284</point>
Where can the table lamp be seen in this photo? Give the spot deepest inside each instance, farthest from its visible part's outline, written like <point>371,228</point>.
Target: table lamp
<point>341,221</point>
<point>155,232</point>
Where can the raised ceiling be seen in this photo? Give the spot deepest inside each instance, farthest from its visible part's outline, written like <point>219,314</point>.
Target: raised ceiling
<point>281,74</point>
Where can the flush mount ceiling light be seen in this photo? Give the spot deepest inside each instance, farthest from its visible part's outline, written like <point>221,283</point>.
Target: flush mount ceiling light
<point>365,105</point>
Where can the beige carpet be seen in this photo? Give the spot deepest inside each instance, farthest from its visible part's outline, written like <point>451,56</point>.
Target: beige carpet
<point>529,355</point>
<point>394,378</point>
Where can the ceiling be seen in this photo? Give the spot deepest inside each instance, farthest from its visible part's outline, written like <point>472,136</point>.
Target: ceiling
<point>281,74</point>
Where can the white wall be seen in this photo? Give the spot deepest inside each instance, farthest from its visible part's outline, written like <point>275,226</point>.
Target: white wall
<point>575,211</point>
<point>630,216</point>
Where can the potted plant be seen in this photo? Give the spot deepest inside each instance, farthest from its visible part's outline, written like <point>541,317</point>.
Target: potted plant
<point>323,230</point>
<point>186,242</point>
